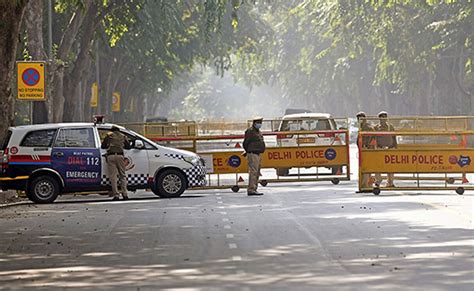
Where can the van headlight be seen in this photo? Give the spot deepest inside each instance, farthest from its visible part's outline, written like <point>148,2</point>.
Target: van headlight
<point>192,160</point>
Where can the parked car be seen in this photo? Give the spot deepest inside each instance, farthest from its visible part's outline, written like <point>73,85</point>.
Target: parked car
<point>296,111</point>
<point>48,160</point>
<point>307,122</point>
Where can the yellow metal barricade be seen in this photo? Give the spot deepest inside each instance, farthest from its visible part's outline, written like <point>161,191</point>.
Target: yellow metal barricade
<point>220,128</point>
<point>160,129</point>
<point>291,156</point>
<point>416,153</point>
<point>167,129</point>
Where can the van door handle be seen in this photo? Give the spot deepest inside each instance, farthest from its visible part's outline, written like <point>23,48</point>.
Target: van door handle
<point>59,154</point>
<point>157,155</point>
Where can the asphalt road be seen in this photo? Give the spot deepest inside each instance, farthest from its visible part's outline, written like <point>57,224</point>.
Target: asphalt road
<point>295,237</point>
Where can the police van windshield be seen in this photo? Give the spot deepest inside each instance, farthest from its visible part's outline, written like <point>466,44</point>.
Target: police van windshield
<point>131,135</point>
<point>307,124</point>
<point>138,136</point>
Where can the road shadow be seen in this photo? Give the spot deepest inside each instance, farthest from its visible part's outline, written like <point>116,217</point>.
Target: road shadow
<point>327,243</point>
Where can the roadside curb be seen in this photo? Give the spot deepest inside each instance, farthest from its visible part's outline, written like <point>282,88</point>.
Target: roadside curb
<point>14,204</point>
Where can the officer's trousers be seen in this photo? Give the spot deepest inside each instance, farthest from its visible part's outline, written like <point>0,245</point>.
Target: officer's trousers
<point>254,161</point>
<point>390,178</point>
<point>116,168</point>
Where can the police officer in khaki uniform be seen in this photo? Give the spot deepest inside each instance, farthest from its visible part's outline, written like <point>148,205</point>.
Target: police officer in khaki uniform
<point>366,142</point>
<point>385,142</point>
<point>254,146</point>
<point>115,142</point>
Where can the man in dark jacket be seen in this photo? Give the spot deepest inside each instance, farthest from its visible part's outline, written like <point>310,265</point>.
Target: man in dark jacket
<point>115,142</point>
<point>254,146</point>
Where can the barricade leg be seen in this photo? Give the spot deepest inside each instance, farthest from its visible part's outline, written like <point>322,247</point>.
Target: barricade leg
<point>390,177</point>
<point>378,179</point>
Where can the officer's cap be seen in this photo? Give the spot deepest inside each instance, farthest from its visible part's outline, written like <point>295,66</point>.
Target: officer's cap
<point>360,114</point>
<point>115,128</point>
<point>257,118</point>
<point>383,114</point>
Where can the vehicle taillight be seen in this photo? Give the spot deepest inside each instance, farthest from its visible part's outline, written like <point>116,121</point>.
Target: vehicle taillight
<point>4,158</point>
<point>283,136</point>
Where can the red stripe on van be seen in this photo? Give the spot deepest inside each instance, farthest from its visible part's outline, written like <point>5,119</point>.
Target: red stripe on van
<point>29,158</point>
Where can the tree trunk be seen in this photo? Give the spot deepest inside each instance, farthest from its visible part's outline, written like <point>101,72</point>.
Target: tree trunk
<point>114,85</point>
<point>107,110</point>
<point>139,108</point>
<point>85,94</point>
<point>11,15</point>
<point>74,78</point>
<point>34,25</point>
<point>57,80</point>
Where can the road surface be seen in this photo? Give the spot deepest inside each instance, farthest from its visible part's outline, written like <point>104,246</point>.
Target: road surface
<point>313,236</point>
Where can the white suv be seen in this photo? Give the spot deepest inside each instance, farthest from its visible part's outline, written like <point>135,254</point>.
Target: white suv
<point>307,122</point>
<point>52,159</point>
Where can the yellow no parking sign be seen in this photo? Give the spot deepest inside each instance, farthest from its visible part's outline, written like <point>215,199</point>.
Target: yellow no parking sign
<point>31,82</point>
<point>116,102</point>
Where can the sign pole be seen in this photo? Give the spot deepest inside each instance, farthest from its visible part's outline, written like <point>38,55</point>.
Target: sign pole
<point>31,112</point>
<point>97,76</point>
<point>50,30</point>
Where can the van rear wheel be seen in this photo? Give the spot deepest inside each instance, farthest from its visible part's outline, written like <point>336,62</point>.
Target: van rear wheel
<point>43,189</point>
<point>170,184</point>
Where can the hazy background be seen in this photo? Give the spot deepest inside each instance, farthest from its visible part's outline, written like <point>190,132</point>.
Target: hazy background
<point>214,60</point>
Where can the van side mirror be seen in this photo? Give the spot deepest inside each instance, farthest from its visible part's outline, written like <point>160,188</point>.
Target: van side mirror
<point>139,144</point>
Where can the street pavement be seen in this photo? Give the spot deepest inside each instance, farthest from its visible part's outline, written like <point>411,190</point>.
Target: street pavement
<point>310,236</point>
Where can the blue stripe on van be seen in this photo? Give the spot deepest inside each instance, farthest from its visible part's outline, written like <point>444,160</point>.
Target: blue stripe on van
<point>30,163</point>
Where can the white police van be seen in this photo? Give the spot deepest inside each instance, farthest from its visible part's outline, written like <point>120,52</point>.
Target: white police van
<point>48,160</point>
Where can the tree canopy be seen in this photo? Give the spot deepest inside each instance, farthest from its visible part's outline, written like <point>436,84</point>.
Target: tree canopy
<point>412,57</point>
<point>337,56</point>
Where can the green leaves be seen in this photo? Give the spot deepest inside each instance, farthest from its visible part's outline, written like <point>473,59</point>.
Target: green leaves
<point>365,50</point>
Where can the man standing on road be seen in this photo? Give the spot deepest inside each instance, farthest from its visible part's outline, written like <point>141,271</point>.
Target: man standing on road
<point>115,142</point>
<point>365,143</point>
<point>254,146</point>
<point>385,142</point>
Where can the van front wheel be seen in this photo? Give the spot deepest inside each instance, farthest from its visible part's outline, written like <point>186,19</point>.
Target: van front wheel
<point>170,184</point>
